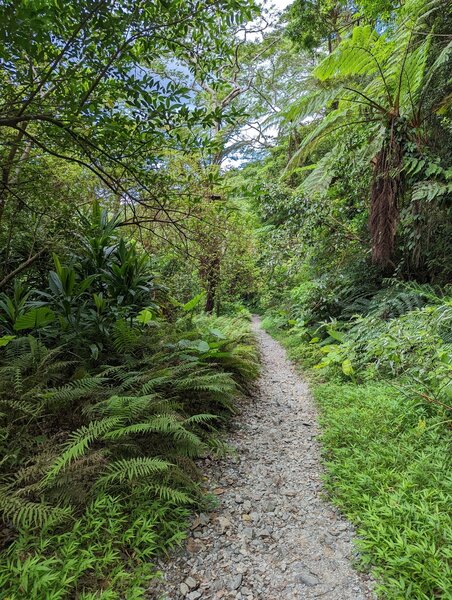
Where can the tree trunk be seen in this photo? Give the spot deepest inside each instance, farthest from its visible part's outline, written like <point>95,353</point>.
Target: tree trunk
<point>212,276</point>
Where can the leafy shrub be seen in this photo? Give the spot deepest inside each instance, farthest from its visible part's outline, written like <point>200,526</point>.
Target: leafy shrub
<point>104,407</point>
<point>109,548</point>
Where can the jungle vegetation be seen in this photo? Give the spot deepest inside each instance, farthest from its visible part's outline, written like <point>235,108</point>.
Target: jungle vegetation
<point>168,168</point>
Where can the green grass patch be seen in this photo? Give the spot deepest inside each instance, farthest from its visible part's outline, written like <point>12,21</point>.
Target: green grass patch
<point>388,469</point>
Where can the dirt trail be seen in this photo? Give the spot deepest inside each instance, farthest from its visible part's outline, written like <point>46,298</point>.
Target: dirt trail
<point>273,536</point>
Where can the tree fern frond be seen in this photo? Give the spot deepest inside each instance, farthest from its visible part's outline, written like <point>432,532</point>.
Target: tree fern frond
<point>319,180</point>
<point>312,104</point>
<point>413,73</point>
<point>332,120</point>
<point>358,55</point>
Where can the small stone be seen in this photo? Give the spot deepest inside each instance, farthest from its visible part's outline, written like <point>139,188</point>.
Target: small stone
<point>184,589</point>
<point>307,578</point>
<point>224,524</point>
<point>236,582</point>
<point>271,505</point>
<point>247,506</point>
<point>191,583</point>
<point>192,546</point>
<point>194,595</point>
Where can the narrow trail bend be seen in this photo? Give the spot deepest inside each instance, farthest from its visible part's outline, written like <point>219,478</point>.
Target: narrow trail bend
<point>272,536</point>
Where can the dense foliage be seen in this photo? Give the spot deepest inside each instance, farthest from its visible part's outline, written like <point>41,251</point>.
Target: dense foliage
<point>355,252</point>
<point>111,402</point>
<point>166,167</point>
<point>112,380</point>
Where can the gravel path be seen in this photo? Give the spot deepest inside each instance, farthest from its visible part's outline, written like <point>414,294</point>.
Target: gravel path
<point>272,536</point>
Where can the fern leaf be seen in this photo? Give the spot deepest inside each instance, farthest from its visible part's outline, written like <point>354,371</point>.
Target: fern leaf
<point>79,442</point>
<point>134,468</point>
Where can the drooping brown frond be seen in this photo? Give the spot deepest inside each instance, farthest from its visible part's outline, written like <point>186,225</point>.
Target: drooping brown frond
<point>386,190</point>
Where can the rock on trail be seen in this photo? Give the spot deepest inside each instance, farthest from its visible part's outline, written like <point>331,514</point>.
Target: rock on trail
<point>273,536</point>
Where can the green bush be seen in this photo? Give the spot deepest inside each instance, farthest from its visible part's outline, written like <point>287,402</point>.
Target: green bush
<point>109,549</point>
<point>104,406</point>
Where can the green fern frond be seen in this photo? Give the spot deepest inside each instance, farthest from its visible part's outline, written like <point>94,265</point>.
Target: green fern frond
<point>319,180</point>
<point>171,495</point>
<point>134,468</point>
<point>79,441</point>
<point>75,390</point>
<point>25,514</point>
<point>334,119</point>
<point>312,104</point>
<point>20,406</point>
<point>125,337</point>
<point>200,419</point>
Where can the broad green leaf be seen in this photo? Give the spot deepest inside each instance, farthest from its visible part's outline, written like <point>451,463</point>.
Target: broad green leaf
<point>347,368</point>
<point>35,318</point>
<point>194,302</point>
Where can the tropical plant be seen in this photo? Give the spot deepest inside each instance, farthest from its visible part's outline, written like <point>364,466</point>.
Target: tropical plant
<point>381,80</point>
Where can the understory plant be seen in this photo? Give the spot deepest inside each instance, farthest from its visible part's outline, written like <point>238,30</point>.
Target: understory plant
<point>105,405</point>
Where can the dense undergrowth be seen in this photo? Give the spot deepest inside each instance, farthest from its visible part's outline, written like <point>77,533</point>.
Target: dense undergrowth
<point>382,380</point>
<point>335,222</point>
<point>106,404</point>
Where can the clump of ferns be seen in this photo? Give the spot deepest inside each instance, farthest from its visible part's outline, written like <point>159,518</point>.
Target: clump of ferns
<point>127,440</point>
<point>136,424</point>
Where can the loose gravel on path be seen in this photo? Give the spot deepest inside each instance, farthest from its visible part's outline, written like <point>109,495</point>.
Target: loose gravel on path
<point>273,536</point>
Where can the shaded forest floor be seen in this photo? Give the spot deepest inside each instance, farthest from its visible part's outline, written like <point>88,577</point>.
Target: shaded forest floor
<point>272,535</point>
